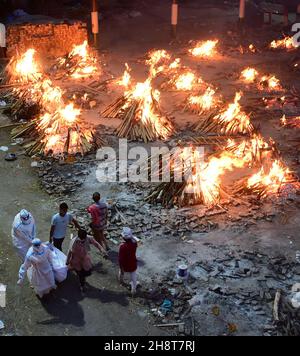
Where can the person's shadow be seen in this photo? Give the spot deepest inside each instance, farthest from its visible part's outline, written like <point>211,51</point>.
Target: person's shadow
<point>63,304</point>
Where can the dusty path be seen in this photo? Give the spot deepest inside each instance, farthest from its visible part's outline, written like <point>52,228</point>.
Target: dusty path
<point>105,310</point>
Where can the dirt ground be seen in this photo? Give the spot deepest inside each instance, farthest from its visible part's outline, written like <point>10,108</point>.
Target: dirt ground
<point>107,309</point>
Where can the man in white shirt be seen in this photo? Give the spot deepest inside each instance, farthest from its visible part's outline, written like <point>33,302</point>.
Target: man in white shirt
<point>2,41</point>
<point>59,225</point>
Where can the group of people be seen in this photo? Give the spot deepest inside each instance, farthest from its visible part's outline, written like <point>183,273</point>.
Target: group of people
<point>45,264</point>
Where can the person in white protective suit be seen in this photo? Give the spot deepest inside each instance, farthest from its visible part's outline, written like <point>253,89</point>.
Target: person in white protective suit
<point>38,267</point>
<point>2,41</point>
<point>23,232</point>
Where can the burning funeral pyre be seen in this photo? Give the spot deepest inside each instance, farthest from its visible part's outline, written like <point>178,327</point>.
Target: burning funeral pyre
<point>80,63</point>
<point>22,85</point>
<point>57,133</point>
<point>230,122</point>
<point>268,181</point>
<point>194,181</point>
<point>285,43</point>
<point>204,49</point>
<point>56,127</point>
<point>141,116</point>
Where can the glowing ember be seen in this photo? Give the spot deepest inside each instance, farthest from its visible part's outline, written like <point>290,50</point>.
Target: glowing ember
<point>285,43</point>
<point>234,120</point>
<point>293,122</point>
<point>204,49</point>
<point>80,62</point>
<point>249,75</point>
<point>270,83</point>
<point>252,48</point>
<point>271,181</point>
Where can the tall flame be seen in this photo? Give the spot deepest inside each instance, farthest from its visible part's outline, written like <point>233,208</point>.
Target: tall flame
<point>272,180</point>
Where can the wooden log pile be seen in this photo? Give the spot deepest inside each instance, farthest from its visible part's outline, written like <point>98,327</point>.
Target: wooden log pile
<point>142,118</point>
<point>51,37</point>
<point>37,140</point>
<point>81,62</point>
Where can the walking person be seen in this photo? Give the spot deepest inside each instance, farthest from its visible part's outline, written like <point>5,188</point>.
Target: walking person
<point>99,214</point>
<point>128,260</point>
<point>79,259</point>
<point>38,267</point>
<point>60,224</point>
<point>23,232</point>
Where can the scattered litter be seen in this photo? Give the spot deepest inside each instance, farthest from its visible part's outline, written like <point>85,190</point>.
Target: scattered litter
<point>166,307</point>
<point>2,326</point>
<point>216,311</point>
<point>2,103</point>
<point>296,300</point>
<point>232,328</point>
<point>298,256</point>
<point>34,164</point>
<point>4,148</point>
<point>11,157</point>
<point>182,272</point>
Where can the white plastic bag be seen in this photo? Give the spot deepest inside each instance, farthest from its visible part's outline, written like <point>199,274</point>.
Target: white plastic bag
<point>59,265</point>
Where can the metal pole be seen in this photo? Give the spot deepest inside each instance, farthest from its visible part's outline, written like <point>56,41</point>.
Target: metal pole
<point>95,22</point>
<point>242,10</point>
<point>298,13</point>
<point>286,16</point>
<point>174,18</point>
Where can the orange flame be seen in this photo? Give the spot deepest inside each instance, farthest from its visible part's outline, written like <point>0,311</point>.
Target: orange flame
<point>85,64</point>
<point>204,49</point>
<point>25,68</point>
<point>235,118</point>
<point>249,75</point>
<point>203,102</point>
<point>285,43</point>
<point>147,96</point>
<point>272,180</point>
<point>126,79</point>
<point>270,83</point>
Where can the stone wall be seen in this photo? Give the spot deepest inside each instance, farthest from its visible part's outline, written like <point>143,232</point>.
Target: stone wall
<point>49,39</point>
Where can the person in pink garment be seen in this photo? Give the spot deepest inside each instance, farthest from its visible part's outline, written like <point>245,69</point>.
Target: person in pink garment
<point>79,259</point>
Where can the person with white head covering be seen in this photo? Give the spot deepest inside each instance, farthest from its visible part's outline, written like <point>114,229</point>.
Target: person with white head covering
<point>127,258</point>
<point>23,232</point>
<point>38,267</point>
<point>2,40</point>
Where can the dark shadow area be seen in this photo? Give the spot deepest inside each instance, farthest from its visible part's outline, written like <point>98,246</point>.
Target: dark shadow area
<point>107,296</point>
<point>63,304</point>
